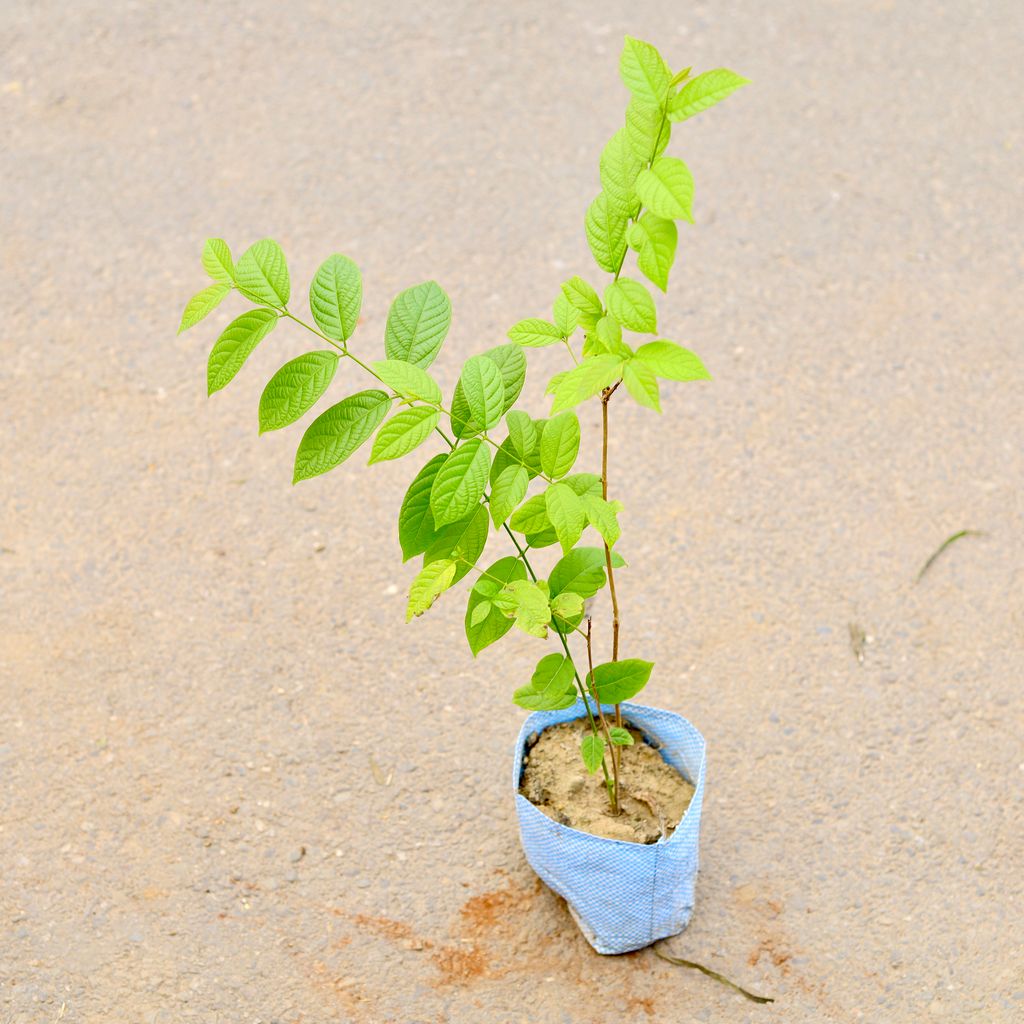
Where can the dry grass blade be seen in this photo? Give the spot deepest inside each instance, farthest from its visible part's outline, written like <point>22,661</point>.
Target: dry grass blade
<point>679,962</point>
<point>942,547</point>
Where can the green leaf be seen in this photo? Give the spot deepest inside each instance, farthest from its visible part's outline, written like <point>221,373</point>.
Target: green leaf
<point>606,233</point>
<point>404,432</point>
<point>559,444</point>
<point>522,433</point>
<point>557,379</point>
<point>408,380</point>
<point>217,260</point>
<point>464,541</point>
<point>511,361</point>
<point>531,517</point>
<point>296,388</point>
<point>235,345</point>
<point>528,603</point>
<point>336,297</point>
<point>643,72</point>
<point>603,517</point>
<point>484,390</point>
<point>619,680</point>
<point>620,737</point>
<point>460,482</point>
<point>478,615</point>
<point>544,539</point>
<point>202,304</point>
<point>262,274</point>
<point>584,484</point>
<point>418,323</point>
<point>619,168</point>
<point>431,581</point>
<point>666,188</point>
<point>481,632</point>
<point>535,333</point>
<point>532,459</point>
<point>631,304</point>
<point>566,316</point>
<point>416,529</point>
<point>552,686</point>
<point>554,676</point>
<point>584,300</point>
<point>335,434</point>
<point>504,457</point>
<point>647,131</point>
<point>567,606</point>
<point>704,91</point>
<point>679,77</point>
<point>590,378</point>
<point>592,750</point>
<point>565,510</point>
<point>672,361</point>
<point>581,571</point>
<point>526,697</point>
<point>654,239</point>
<point>462,423</point>
<point>506,493</point>
<point>606,338</point>
<point>642,384</point>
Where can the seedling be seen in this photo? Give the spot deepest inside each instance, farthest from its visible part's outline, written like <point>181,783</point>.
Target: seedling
<point>500,469</point>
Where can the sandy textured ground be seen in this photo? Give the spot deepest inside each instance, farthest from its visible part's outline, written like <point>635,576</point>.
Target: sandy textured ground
<point>234,786</point>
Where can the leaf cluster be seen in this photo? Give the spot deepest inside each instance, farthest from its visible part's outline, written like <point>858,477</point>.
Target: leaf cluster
<point>499,468</point>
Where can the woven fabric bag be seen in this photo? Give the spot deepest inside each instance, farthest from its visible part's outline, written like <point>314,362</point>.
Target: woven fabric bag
<point>624,896</point>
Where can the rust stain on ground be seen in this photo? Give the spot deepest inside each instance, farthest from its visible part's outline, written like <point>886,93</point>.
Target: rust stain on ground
<point>495,928</point>
<point>384,926</point>
<point>775,950</point>
<point>458,966</point>
<point>491,909</point>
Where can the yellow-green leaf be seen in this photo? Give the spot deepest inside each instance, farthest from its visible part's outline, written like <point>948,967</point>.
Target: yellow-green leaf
<point>704,91</point>
<point>262,274</point>
<point>404,432</point>
<point>202,304</point>
<point>431,581</point>
<point>666,189</point>
<point>236,344</point>
<point>631,304</point>
<point>217,260</point>
<point>642,384</point>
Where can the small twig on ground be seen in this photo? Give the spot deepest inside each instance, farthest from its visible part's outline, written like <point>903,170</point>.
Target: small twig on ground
<point>679,962</point>
<point>942,547</point>
<point>858,640</point>
<point>379,777</point>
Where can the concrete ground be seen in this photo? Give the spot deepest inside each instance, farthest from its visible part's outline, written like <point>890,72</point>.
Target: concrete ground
<point>235,786</point>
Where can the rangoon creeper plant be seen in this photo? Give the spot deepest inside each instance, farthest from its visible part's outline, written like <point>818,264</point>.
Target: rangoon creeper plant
<point>482,480</point>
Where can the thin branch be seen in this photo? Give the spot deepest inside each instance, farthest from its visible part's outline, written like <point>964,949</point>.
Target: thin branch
<point>942,547</point>
<point>680,962</point>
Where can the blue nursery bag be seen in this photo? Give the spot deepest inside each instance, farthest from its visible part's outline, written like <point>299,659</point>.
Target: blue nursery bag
<point>624,896</point>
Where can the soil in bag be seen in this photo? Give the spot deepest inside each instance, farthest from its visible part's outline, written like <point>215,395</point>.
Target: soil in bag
<point>653,796</point>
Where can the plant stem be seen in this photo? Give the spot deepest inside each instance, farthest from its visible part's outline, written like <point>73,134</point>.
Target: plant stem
<point>613,749</point>
<point>605,397</point>
<point>611,786</point>
<point>607,550</point>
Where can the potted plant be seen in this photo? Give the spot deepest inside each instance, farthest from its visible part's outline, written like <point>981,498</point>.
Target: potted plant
<point>608,792</point>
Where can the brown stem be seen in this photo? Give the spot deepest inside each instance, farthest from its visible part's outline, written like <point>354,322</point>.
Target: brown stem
<point>604,724</point>
<point>605,398</point>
